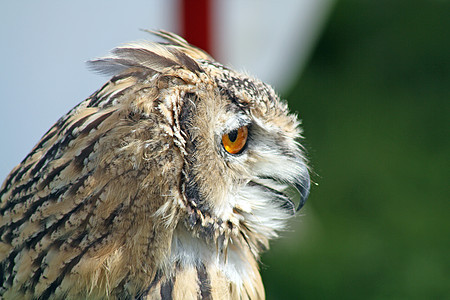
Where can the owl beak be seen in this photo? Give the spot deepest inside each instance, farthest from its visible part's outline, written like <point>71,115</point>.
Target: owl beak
<point>303,184</point>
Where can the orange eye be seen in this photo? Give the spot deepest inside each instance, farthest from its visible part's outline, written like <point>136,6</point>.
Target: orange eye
<point>234,141</point>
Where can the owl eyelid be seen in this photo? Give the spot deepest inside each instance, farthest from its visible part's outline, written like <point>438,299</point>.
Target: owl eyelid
<point>235,118</point>
<point>235,125</point>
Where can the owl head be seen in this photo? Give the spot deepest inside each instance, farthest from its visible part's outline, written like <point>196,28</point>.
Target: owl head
<point>228,154</point>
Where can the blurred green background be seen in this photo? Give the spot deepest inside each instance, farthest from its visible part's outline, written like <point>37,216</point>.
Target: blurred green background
<point>375,104</point>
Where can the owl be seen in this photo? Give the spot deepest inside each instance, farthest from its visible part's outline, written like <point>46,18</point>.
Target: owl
<point>166,183</point>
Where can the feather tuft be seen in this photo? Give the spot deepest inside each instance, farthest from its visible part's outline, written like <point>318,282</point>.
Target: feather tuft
<point>154,57</point>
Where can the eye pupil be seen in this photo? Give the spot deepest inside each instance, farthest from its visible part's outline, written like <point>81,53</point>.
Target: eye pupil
<point>233,135</point>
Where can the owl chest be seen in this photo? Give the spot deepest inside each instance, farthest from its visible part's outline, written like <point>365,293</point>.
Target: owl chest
<point>195,282</point>
<point>194,270</point>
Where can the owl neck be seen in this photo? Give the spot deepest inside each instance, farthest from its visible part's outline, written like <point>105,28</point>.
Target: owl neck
<point>195,266</point>
<point>189,250</point>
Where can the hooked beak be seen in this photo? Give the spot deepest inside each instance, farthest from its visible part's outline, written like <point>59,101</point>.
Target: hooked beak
<point>303,184</point>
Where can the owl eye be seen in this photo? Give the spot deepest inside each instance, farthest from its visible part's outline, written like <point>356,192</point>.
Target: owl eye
<point>235,140</point>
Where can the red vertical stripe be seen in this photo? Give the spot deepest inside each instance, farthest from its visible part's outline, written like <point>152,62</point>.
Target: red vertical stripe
<point>196,23</point>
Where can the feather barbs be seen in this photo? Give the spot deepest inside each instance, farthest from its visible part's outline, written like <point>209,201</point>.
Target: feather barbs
<point>154,57</point>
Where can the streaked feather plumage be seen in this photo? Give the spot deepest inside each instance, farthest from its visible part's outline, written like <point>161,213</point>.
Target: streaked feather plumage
<point>131,195</point>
